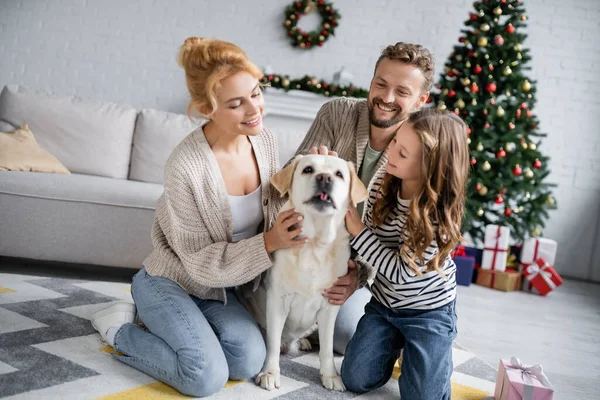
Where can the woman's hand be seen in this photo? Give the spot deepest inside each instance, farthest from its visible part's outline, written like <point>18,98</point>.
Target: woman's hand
<point>280,236</point>
<point>354,224</point>
<point>344,287</point>
<point>322,150</point>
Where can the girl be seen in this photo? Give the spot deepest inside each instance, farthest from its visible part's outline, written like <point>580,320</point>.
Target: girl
<point>215,228</point>
<point>413,218</point>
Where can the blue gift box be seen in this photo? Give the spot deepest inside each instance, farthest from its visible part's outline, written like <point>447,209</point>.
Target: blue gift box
<point>465,266</point>
<point>477,254</point>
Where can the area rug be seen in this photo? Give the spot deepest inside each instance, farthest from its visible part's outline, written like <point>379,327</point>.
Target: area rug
<point>49,350</point>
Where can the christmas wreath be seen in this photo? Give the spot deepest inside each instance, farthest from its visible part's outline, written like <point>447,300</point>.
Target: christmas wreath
<point>307,40</point>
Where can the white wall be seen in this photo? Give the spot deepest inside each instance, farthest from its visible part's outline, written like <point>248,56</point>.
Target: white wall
<point>124,51</point>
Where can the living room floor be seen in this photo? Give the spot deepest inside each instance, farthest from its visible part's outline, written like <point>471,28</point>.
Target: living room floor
<point>560,331</point>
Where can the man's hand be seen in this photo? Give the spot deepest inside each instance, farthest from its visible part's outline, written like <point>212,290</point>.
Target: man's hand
<point>344,287</point>
<point>322,150</point>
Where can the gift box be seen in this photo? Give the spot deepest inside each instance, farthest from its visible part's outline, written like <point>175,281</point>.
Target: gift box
<point>495,248</point>
<point>542,276</point>
<point>516,381</point>
<point>507,281</point>
<point>477,254</point>
<point>533,249</point>
<point>464,266</point>
<point>514,258</point>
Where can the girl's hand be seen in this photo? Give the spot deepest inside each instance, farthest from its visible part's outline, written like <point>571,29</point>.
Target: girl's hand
<point>354,224</point>
<point>281,236</point>
<point>344,287</point>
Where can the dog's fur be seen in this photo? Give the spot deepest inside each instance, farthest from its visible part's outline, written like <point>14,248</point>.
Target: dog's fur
<point>289,300</point>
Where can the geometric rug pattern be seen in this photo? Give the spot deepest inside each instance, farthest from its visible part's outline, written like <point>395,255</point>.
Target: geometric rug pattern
<point>49,350</point>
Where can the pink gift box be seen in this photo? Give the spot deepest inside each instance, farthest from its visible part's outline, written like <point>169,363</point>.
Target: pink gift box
<point>516,381</point>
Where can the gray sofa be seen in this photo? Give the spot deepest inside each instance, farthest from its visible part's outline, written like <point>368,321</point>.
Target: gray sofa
<point>102,213</point>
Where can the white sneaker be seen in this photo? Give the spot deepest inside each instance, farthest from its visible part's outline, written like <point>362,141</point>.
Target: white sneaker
<point>114,316</point>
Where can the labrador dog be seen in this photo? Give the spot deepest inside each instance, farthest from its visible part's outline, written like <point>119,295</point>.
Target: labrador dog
<point>289,300</point>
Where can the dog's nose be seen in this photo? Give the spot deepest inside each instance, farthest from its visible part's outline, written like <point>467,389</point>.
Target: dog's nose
<point>324,178</point>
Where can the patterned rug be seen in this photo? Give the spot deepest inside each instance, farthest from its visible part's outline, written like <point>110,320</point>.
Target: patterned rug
<point>49,350</point>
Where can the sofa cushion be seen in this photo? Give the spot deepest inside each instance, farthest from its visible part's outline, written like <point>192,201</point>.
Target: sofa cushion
<point>20,152</point>
<point>88,137</point>
<point>82,189</point>
<point>156,135</point>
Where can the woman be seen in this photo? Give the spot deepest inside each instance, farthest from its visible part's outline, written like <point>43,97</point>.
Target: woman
<point>216,198</point>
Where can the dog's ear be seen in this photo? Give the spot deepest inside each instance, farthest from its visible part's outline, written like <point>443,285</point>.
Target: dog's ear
<point>283,179</point>
<point>358,191</point>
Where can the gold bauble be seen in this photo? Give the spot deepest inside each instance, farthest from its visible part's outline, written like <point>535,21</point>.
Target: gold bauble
<point>525,145</point>
<point>318,86</point>
<point>298,86</point>
<point>441,105</point>
<point>500,112</point>
<point>523,18</point>
<point>326,25</point>
<point>276,79</point>
<point>486,56</point>
<point>285,83</point>
<point>532,146</point>
<point>460,103</point>
<point>480,212</point>
<point>519,56</point>
<point>484,27</point>
<point>468,140</point>
<point>287,22</point>
<point>528,174</point>
<point>445,92</point>
<point>474,102</point>
<point>479,147</point>
<point>483,191</point>
<point>481,13</point>
<point>321,38</point>
<point>497,11</point>
<point>526,86</point>
<point>527,195</point>
<point>465,81</point>
<point>302,45</point>
<point>518,47</point>
<point>486,166</point>
<point>459,58</point>
<point>510,147</point>
<point>482,42</point>
<point>501,62</point>
<point>468,64</point>
<point>536,232</point>
<point>314,81</point>
<point>514,63</point>
<point>292,16</point>
<point>299,37</point>
<point>507,71</point>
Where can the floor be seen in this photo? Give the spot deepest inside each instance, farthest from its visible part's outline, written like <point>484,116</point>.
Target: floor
<point>560,331</point>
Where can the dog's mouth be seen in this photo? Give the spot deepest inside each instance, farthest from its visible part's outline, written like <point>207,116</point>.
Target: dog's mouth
<point>322,199</point>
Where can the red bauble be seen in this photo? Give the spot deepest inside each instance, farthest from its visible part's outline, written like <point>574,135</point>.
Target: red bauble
<point>523,105</point>
<point>517,170</point>
<point>321,2</point>
<point>474,88</point>
<point>528,113</point>
<point>492,101</point>
<point>518,113</point>
<point>462,39</point>
<point>510,28</point>
<point>491,67</point>
<point>511,126</point>
<point>478,187</point>
<point>473,17</point>
<point>537,163</point>
<point>451,93</point>
<point>456,111</point>
<point>507,212</point>
<point>325,85</point>
<point>324,32</point>
<point>473,161</point>
<point>320,44</point>
<point>298,5</point>
<point>270,77</point>
<point>501,153</point>
<point>471,53</point>
<point>491,87</point>
<point>487,125</point>
<point>468,131</point>
<point>429,99</point>
<point>485,112</point>
<point>498,40</point>
<point>499,200</point>
<point>477,69</point>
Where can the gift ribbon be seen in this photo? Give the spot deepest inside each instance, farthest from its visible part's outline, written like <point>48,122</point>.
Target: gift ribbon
<point>460,252</point>
<point>534,270</point>
<point>535,256</point>
<point>526,373</point>
<point>496,250</point>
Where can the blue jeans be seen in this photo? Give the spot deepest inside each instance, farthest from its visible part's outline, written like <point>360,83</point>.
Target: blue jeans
<point>347,319</point>
<point>193,345</point>
<point>425,335</point>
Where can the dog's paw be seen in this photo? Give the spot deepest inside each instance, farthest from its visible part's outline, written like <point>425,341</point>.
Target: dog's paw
<point>304,344</point>
<point>333,383</point>
<point>268,380</point>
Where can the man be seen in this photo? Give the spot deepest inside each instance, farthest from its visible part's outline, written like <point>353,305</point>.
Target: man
<point>360,131</point>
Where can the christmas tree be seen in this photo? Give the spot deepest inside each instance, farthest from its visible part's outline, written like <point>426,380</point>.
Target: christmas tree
<point>484,83</point>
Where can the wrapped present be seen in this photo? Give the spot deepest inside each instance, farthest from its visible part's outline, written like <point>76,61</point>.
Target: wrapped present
<point>495,248</point>
<point>514,258</point>
<point>542,276</point>
<point>516,381</point>
<point>478,254</point>
<point>464,266</point>
<point>507,281</point>
<point>533,249</point>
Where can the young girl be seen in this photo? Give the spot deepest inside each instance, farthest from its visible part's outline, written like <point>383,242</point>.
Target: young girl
<point>413,218</point>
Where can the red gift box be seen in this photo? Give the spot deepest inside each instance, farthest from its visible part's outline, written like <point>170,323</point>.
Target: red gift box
<point>542,276</point>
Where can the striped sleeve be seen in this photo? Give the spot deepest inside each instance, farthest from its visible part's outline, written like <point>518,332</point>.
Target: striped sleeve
<point>387,261</point>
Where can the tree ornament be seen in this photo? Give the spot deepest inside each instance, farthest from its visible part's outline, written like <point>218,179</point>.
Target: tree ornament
<point>501,153</point>
<point>511,126</point>
<point>451,93</point>
<point>517,170</point>
<point>519,56</point>
<point>491,87</point>
<point>526,86</point>
<point>482,41</point>
<point>507,71</point>
<point>528,173</point>
<point>550,201</point>
<point>484,27</point>
<point>523,18</point>
<point>498,40</point>
<point>473,161</point>
<point>480,212</point>
<point>468,64</point>
<point>479,147</point>
<point>477,69</point>
<point>478,187</point>
<point>523,105</point>
<point>518,47</point>
<point>486,166</point>
<point>518,113</point>
<point>460,103</point>
<point>507,212</point>
<point>286,83</point>
<point>537,163</point>
<point>441,105</point>
<point>474,101</point>
<point>499,200</point>
<point>465,81</point>
<point>500,112</point>
<point>468,140</point>
<point>483,191</point>
<point>497,11</point>
<point>532,146</point>
<point>510,147</point>
<point>536,232</point>
<point>491,67</point>
<point>510,28</point>
<point>474,88</point>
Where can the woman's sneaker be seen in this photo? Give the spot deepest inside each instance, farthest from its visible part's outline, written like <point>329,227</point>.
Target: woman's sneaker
<point>115,316</point>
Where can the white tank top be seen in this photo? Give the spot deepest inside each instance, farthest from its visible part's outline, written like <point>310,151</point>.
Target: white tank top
<point>246,214</point>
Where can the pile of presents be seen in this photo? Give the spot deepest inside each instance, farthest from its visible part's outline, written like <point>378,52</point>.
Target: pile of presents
<point>529,266</point>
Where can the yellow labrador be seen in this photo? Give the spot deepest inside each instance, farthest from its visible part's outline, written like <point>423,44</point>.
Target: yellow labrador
<point>289,300</point>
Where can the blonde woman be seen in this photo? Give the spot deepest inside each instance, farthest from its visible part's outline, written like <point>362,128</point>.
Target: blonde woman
<point>215,228</point>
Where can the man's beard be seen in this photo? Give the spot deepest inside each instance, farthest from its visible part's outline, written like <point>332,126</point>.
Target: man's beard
<point>385,123</point>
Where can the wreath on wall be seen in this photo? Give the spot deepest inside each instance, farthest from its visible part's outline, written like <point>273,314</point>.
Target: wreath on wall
<point>306,40</point>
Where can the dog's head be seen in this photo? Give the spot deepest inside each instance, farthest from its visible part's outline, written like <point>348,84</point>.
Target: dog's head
<point>320,184</point>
